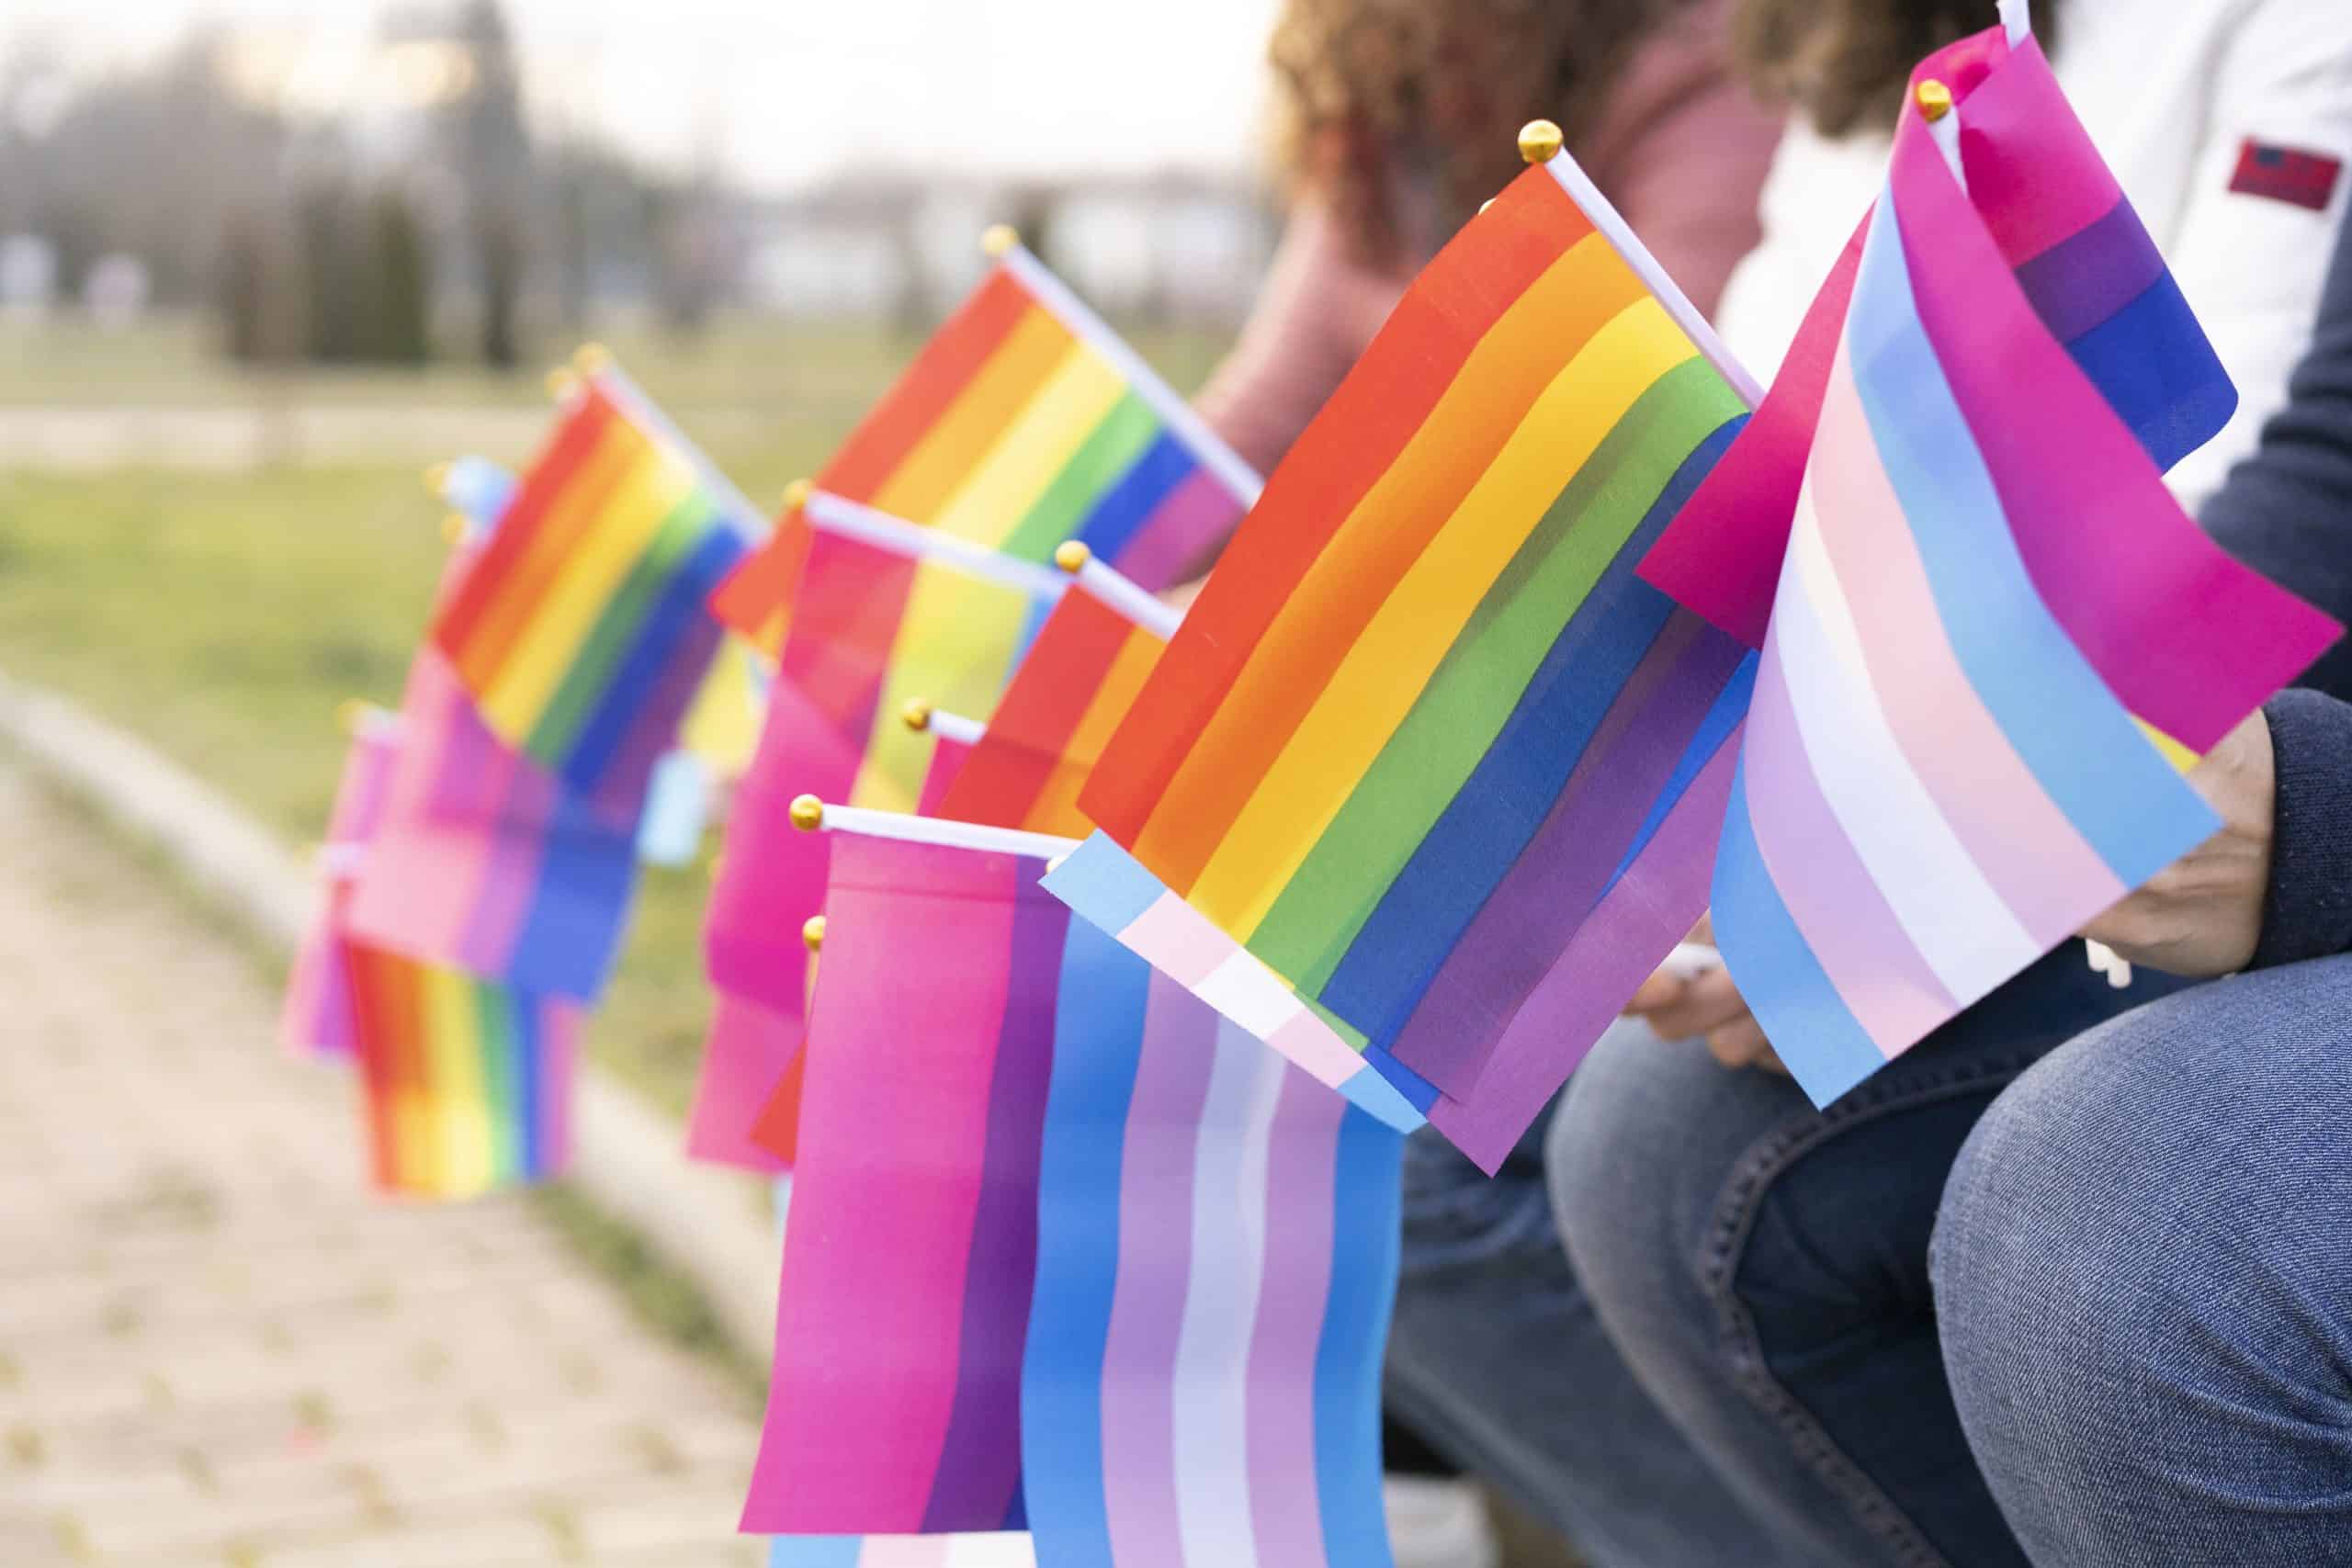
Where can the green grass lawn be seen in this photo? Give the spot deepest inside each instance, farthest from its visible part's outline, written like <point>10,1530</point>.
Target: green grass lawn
<point>225,617</point>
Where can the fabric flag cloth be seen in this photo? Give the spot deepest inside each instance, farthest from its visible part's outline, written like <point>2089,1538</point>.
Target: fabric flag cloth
<point>1023,423</point>
<point>1217,1254</point>
<point>582,631</point>
<point>1424,715</point>
<point>948,755</point>
<point>835,728</point>
<point>315,1017</point>
<point>1076,683</point>
<point>911,1248</point>
<point>466,1083</point>
<point>1001,1550</point>
<point>1985,585</point>
<point>1107,888</point>
<point>2089,272</point>
<point>484,862</point>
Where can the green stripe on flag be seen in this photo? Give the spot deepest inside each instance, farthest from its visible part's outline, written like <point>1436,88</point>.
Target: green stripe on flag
<point>1122,436</point>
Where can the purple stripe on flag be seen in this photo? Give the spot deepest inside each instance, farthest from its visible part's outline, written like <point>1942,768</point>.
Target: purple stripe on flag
<point>1533,914</point>
<point>1828,892</point>
<point>978,1484</point>
<point>1285,1499</point>
<point>2085,281</point>
<point>1652,907</point>
<point>1155,1268</point>
<point>1173,539</point>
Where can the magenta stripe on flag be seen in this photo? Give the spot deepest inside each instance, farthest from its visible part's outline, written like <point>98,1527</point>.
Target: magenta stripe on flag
<point>894,1135</point>
<point>1155,1270</point>
<point>1179,530</point>
<point>2101,536</point>
<point>1285,1495</point>
<point>2033,196</point>
<point>1844,918</point>
<point>2028,849</point>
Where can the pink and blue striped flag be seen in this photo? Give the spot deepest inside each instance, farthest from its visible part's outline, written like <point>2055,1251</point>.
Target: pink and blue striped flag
<point>1996,639</point>
<point>1217,1249</point>
<point>999,1550</point>
<point>316,1018</point>
<point>911,1250</point>
<point>2089,270</point>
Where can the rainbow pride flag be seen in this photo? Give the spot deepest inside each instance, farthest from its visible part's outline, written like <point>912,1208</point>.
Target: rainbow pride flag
<point>1996,639</point>
<point>1425,674</point>
<point>1074,685</point>
<point>466,1083</point>
<point>315,1017</point>
<point>2089,270</point>
<point>1023,423</point>
<point>1218,1250</point>
<point>910,1257</point>
<point>582,631</point>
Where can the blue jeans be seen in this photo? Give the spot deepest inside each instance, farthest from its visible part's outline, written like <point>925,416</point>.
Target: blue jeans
<point>1762,1269</point>
<point>2145,1274</point>
<point>1497,1362</point>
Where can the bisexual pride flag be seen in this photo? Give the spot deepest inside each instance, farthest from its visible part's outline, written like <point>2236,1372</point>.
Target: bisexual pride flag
<point>1994,640</point>
<point>2051,208</point>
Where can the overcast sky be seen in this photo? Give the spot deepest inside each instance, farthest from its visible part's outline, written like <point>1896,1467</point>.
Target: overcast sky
<point>786,90</point>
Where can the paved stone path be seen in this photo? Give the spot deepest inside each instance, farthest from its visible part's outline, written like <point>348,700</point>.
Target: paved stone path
<point>217,1348</point>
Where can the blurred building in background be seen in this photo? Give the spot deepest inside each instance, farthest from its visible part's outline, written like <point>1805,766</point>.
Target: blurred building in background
<point>413,205</point>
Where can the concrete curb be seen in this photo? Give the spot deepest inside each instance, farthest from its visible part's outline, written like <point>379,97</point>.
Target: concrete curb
<point>712,1225</point>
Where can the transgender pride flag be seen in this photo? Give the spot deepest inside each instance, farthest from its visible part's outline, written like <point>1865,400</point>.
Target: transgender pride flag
<point>2089,271</point>
<point>1216,1253</point>
<point>1995,636</point>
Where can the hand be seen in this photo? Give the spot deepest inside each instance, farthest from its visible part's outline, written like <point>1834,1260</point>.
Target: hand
<point>1706,1004</point>
<point>2202,915</point>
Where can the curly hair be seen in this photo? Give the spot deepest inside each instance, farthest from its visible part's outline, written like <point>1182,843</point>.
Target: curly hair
<point>1367,86</point>
<point>1845,62</point>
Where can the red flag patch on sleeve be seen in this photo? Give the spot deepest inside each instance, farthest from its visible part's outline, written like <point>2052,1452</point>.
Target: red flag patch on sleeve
<point>2286,174</point>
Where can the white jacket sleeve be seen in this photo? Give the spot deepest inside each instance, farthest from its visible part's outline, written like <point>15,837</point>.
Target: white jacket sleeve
<point>2252,266</point>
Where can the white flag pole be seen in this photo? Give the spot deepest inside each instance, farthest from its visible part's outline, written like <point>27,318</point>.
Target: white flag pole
<point>811,815</point>
<point>837,515</point>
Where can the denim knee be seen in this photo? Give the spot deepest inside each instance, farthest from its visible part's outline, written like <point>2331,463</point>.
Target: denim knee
<point>2140,1279</point>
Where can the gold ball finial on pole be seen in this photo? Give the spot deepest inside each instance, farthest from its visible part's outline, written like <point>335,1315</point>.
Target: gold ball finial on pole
<point>1538,142</point>
<point>453,527</point>
<point>352,715</point>
<point>592,358</point>
<point>812,932</point>
<point>807,813</point>
<point>796,494</point>
<point>561,383</point>
<point>1935,100</point>
<point>436,479</point>
<point>916,715</point>
<point>998,240</point>
<point>1071,555</point>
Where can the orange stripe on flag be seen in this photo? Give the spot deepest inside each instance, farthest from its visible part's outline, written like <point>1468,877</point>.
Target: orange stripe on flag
<point>927,388</point>
<point>573,442</point>
<point>1329,606</point>
<point>957,442</point>
<point>1368,422</point>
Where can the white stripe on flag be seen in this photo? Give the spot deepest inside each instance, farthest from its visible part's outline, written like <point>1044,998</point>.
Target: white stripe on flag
<point>1951,913</point>
<point>1212,1372</point>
